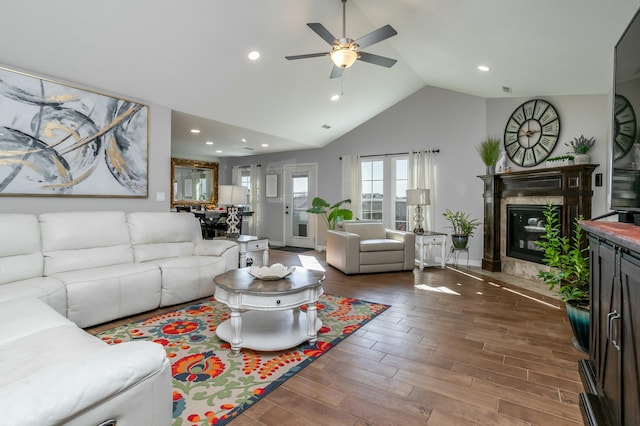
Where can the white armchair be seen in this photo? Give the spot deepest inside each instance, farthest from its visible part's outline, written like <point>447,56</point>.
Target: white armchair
<point>365,247</point>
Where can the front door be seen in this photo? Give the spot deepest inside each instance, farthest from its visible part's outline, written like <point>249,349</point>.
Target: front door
<point>299,190</point>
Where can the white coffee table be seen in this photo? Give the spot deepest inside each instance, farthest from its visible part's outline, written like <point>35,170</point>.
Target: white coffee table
<point>265,315</point>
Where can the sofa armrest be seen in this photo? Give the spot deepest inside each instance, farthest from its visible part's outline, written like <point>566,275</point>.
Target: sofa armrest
<point>409,240</point>
<point>343,251</point>
<point>228,250</point>
<point>73,389</point>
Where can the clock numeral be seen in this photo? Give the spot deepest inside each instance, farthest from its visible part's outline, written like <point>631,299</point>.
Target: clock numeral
<point>540,152</point>
<point>623,142</point>
<point>552,128</point>
<point>512,126</point>
<point>518,156</point>
<point>511,149</point>
<point>625,115</point>
<point>510,138</point>
<point>518,115</point>
<point>541,107</point>
<point>528,109</point>
<point>528,157</point>
<point>547,142</point>
<point>627,128</point>
<point>548,116</point>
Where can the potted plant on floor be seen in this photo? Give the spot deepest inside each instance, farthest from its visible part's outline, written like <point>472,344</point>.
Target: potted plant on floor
<point>462,227</point>
<point>568,271</point>
<point>489,150</point>
<point>581,147</point>
<point>332,214</point>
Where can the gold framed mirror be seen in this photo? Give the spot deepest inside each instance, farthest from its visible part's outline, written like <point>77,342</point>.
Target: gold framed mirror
<point>193,183</point>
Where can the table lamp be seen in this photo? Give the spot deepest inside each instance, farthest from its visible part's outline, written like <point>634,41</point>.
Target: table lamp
<point>418,198</point>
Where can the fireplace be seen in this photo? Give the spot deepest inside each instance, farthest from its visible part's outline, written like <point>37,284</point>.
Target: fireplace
<point>569,187</point>
<point>525,225</point>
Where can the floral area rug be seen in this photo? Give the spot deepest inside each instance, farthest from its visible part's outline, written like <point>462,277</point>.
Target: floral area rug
<point>211,385</point>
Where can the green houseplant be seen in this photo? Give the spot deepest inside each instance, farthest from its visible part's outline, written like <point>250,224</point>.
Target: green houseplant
<point>581,147</point>
<point>568,271</point>
<point>462,227</point>
<point>489,150</point>
<point>332,214</point>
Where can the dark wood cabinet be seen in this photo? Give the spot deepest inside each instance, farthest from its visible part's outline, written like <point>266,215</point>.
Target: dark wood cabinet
<point>611,375</point>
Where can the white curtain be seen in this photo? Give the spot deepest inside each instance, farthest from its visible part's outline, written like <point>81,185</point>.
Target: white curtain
<point>422,175</point>
<point>351,184</point>
<point>255,196</point>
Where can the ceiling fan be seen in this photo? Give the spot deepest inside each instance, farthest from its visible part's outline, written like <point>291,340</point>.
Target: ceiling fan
<point>345,51</point>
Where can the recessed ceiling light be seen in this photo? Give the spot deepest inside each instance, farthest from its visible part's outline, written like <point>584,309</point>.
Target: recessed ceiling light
<point>218,151</point>
<point>335,97</point>
<point>243,140</point>
<point>209,142</point>
<point>483,68</point>
<point>195,131</point>
<point>254,55</point>
<point>265,145</point>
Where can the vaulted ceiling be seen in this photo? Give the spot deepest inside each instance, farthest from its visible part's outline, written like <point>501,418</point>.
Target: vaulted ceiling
<point>191,56</point>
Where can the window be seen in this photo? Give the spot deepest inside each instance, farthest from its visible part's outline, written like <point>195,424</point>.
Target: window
<point>245,180</point>
<point>385,199</point>
<point>372,173</point>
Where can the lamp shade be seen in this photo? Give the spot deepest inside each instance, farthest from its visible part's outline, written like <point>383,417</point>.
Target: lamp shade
<point>231,195</point>
<point>418,197</point>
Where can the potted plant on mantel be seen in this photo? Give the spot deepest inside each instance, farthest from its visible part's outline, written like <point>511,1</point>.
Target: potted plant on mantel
<point>568,271</point>
<point>489,150</point>
<point>581,147</point>
<point>462,228</point>
<point>332,214</point>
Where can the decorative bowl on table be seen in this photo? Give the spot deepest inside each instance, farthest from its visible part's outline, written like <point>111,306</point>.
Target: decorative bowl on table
<point>277,271</point>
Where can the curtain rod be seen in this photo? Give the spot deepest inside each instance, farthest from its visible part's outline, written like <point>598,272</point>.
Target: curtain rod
<point>435,151</point>
<point>246,167</point>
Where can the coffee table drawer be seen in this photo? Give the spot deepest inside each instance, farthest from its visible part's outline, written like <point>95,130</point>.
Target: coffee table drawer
<point>284,301</point>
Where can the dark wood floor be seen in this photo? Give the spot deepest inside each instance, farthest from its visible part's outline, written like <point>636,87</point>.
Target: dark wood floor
<point>453,349</point>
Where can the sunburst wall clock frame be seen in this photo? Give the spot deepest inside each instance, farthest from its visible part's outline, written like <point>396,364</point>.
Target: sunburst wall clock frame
<point>59,140</point>
<point>531,133</point>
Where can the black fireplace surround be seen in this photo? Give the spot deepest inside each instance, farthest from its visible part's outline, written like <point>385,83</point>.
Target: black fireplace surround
<point>525,225</point>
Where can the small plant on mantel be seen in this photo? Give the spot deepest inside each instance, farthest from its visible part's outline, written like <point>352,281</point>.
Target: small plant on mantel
<point>581,145</point>
<point>567,259</point>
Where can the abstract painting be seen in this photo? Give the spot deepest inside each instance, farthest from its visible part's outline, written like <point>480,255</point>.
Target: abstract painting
<point>59,140</point>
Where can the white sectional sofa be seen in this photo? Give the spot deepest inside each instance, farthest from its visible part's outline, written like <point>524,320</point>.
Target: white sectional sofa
<point>63,271</point>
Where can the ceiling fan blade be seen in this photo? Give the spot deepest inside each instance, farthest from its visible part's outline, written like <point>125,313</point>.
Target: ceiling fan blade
<point>376,59</point>
<point>375,36</point>
<point>322,32</point>
<point>336,72</point>
<point>308,55</point>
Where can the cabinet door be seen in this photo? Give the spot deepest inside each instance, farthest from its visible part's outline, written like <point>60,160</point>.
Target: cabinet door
<point>606,302</point>
<point>629,332</point>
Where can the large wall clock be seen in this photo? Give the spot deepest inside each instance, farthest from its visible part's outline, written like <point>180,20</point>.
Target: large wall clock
<point>624,120</point>
<point>531,132</point>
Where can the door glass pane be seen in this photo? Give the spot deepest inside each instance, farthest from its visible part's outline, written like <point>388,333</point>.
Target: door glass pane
<point>299,204</point>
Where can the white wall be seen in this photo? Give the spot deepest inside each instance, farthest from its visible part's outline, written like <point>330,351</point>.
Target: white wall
<point>452,122</point>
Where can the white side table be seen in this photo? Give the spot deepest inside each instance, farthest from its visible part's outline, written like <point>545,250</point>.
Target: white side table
<point>429,239</point>
<point>248,243</point>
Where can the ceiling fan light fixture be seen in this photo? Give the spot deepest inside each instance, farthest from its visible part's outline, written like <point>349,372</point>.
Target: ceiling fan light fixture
<point>344,57</point>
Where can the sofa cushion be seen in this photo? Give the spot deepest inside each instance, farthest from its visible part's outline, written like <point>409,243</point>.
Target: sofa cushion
<point>381,258</point>
<point>102,294</point>
<point>22,259</point>
<point>188,278</point>
<point>49,290</point>
<point>83,240</point>
<point>381,245</point>
<point>159,235</point>
<point>366,230</point>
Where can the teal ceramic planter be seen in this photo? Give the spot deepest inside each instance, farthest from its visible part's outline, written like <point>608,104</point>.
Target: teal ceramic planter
<point>460,241</point>
<point>579,321</point>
